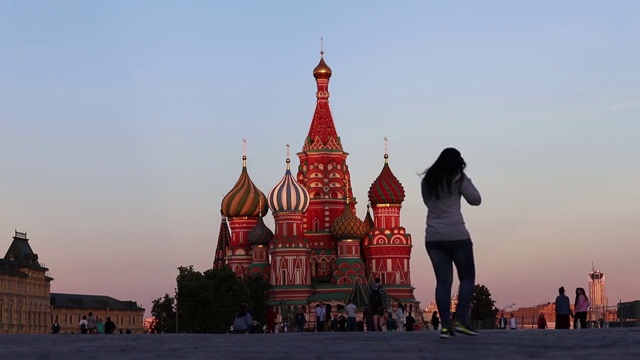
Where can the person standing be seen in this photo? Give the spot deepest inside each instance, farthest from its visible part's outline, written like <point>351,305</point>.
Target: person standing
<point>271,320</point>
<point>378,303</point>
<point>410,322</point>
<point>580,306</point>
<point>563,310</point>
<point>55,328</point>
<point>83,325</point>
<point>502,322</point>
<point>513,324</point>
<point>351,309</point>
<point>321,314</point>
<point>91,323</point>
<point>435,321</point>
<point>109,326</point>
<point>300,319</point>
<point>367,317</point>
<point>447,240</point>
<point>401,317</point>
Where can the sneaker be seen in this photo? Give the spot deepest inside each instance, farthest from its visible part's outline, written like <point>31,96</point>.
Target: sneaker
<point>446,333</point>
<point>465,329</point>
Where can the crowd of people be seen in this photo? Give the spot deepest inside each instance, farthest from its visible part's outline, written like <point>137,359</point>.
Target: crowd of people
<point>90,324</point>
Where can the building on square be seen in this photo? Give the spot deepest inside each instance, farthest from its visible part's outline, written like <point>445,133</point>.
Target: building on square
<point>27,305</point>
<point>68,309</point>
<point>24,290</point>
<point>320,250</point>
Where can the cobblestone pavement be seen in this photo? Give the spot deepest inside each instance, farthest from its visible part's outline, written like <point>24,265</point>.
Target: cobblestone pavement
<point>620,343</point>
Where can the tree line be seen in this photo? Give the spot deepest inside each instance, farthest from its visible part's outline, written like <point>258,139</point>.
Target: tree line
<point>207,302</point>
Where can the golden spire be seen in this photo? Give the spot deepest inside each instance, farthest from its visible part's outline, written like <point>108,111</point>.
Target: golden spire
<point>288,160</point>
<point>244,152</point>
<point>322,71</point>
<point>386,150</point>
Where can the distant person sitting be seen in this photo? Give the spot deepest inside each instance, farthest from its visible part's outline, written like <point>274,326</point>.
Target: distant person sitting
<point>128,331</point>
<point>542,322</point>
<point>243,321</point>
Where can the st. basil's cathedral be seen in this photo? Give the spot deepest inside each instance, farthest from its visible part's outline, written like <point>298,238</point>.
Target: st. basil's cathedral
<point>320,250</point>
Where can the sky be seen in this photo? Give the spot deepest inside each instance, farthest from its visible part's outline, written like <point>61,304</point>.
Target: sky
<point>121,127</point>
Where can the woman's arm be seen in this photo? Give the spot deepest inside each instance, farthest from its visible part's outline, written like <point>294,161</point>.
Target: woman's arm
<point>469,191</point>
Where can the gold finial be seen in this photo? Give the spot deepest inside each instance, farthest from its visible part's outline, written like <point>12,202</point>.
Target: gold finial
<point>321,46</point>
<point>288,160</point>
<point>244,152</point>
<point>386,150</point>
<point>260,210</point>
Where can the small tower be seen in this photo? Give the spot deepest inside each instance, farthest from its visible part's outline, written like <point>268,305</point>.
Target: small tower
<point>259,238</point>
<point>242,206</point>
<point>348,230</point>
<point>224,237</point>
<point>388,246</point>
<point>597,295</point>
<point>289,249</point>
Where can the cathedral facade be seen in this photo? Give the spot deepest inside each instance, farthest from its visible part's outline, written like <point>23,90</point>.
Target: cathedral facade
<point>319,250</point>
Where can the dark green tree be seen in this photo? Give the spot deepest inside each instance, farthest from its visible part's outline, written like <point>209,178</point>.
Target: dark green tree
<point>163,311</point>
<point>258,289</point>
<point>484,311</point>
<point>208,302</point>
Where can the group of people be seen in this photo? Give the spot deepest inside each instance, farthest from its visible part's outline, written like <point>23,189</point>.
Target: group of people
<point>90,324</point>
<point>563,312</point>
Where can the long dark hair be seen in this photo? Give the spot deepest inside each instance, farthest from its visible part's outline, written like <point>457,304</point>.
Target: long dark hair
<point>580,291</point>
<point>442,177</point>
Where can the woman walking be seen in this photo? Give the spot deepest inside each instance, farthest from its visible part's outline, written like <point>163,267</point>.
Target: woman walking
<point>581,306</point>
<point>447,240</point>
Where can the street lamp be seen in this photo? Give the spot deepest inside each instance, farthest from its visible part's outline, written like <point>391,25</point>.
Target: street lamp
<point>508,306</point>
<point>176,306</point>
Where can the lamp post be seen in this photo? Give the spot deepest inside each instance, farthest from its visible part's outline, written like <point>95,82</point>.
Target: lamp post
<point>177,312</point>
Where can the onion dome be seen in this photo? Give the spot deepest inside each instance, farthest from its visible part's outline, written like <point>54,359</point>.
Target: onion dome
<point>288,195</point>
<point>386,189</point>
<point>260,234</point>
<point>322,71</point>
<point>368,220</point>
<point>245,199</point>
<point>348,226</point>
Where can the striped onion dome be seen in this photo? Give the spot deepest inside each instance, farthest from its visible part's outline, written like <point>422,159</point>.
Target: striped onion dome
<point>386,189</point>
<point>260,234</point>
<point>288,195</point>
<point>245,198</point>
<point>348,226</point>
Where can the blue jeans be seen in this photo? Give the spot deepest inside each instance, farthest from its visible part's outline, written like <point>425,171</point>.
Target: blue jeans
<point>443,255</point>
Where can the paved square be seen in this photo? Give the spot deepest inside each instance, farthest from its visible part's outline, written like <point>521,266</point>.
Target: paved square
<point>620,343</point>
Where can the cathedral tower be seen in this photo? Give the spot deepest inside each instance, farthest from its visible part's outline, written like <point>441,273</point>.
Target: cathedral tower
<point>323,171</point>
<point>242,206</point>
<point>290,276</point>
<point>388,247</point>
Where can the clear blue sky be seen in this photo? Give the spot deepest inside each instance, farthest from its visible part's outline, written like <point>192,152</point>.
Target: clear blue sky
<point>121,127</point>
